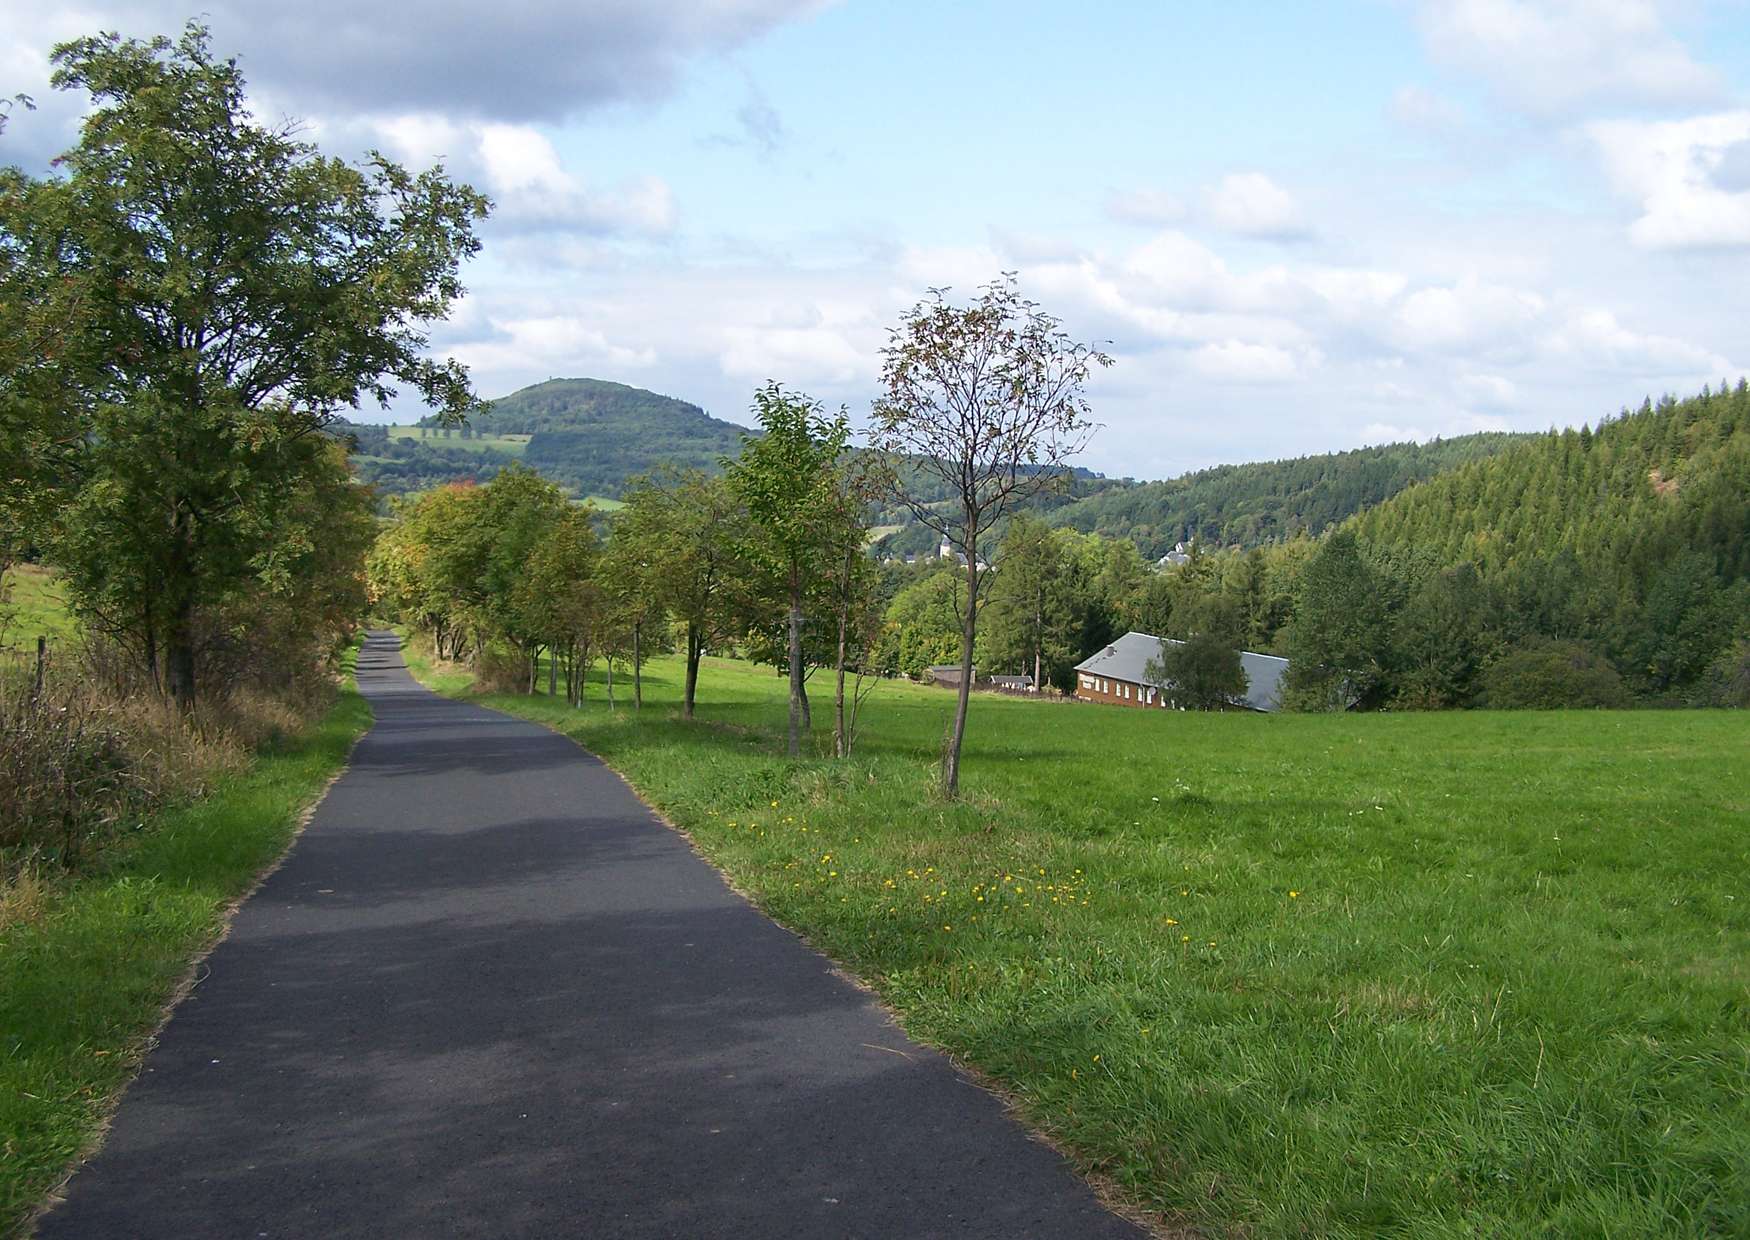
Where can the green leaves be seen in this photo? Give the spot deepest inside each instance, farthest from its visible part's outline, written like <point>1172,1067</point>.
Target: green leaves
<point>185,309</point>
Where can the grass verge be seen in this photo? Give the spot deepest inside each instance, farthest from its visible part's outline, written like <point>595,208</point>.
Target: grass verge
<point>1430,975</point>
<point>88,965</point>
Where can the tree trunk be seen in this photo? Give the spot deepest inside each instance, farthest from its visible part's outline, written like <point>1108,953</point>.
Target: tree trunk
<point>637,665</point>
<point>552,672</point>
<point>179,658</point>
<point>610,682</point>
<point>968,632</point>
<point>840,742</point>
<point>695,647</point>
<point>795,662</point>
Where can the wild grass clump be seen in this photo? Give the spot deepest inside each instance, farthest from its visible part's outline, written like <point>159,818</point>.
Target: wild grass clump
<point>90,753</point>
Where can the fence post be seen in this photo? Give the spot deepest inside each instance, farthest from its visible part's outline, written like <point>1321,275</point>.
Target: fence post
<point>42,647</point>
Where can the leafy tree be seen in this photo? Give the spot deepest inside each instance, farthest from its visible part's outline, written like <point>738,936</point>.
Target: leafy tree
<point>1726,682</point>
<point>1202,672</point>
<point>691,524</point>
<point>1440,640</point>
<point>1542,674</point>
<point>924,622</point>
<point>1029,612</point>
<point>559,601</point>
<point>988,400</point>
<point>231,290</point>
<point>1339,641</point>
<point>788,480</point>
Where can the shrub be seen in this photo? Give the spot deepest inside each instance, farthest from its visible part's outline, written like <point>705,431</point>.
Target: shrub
<point>1726,681</point>
<point>1552,675</point>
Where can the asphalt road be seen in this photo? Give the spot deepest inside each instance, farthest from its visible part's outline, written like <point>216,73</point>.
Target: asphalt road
<point>489,994</point>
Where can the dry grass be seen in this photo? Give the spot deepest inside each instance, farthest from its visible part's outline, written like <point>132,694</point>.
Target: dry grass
<point>89,757</point>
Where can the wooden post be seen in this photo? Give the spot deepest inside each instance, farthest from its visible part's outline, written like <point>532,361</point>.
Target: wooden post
<point>42,655</point>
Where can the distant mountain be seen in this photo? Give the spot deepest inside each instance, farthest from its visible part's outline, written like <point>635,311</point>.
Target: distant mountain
<point>1250,505</point>
<point>588,435</point>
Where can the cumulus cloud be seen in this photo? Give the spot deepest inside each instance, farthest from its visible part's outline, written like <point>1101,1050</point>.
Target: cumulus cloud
<point>1555,57</point>
<point>1690,178</point>
<point>532,60</point>
<point>1250,204</point>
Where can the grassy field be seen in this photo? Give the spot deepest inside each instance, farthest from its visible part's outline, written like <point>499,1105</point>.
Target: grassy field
<point>1413,975</point>
<point>87,965</point>
<point>511,445</point>
<point>33,606</point>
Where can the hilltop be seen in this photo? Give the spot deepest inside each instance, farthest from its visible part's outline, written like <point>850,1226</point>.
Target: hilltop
<point>588,435</point>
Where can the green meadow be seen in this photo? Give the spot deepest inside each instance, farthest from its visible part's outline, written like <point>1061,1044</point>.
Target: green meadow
<point>511,445</point>
<point>34,605</point>
<point>1450,974</point>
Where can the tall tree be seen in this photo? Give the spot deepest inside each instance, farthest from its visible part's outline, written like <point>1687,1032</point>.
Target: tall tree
<point>987,403</point>
<point>1029,616</point>
<point>233,291</point>
<point>1339,641</point>
<point>788,479</point>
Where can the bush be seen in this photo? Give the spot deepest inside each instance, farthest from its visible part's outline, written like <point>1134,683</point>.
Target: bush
<point>1726,681</point>
<point>1552,675</point>
<point>499,671</point>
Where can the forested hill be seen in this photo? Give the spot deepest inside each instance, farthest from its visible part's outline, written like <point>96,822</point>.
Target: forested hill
<point>591,435</point>
<point>1636,512</point>
<point>1250,505</point>
<point>588,435</point>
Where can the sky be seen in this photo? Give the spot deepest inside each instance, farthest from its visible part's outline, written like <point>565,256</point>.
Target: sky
<point>1297,228</point>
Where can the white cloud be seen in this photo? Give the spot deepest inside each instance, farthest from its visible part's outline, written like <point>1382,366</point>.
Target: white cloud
<point>1151,208</point>
<point>1420,109</point>
<point>1241,362</point>
<point>1467,317</point>
<point>1688,177</point>
<point>1594,337</point>
<point>521,170</point>
<point>1252,205</point>
<point>1554,57</point>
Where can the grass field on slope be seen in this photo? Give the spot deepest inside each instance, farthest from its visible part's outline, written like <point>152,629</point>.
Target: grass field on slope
<point>1419,974</point>
<point>511,445</point>
<point>34,606</point>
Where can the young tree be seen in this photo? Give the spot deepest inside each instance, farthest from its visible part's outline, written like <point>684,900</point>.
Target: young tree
<point>632,582</point>
<point>233,290</point>
<point>984,403</point>
<point>690,524</point>
<point>788,480</point>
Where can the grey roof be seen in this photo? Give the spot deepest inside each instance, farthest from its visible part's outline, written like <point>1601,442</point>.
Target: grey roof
<point>1128,659</point>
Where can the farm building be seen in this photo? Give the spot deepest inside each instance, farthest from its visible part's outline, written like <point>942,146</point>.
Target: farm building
<point>947,676</point>
<point>1118,674</point>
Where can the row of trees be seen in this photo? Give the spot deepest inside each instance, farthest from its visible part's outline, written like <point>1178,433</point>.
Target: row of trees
<point>766,559</point>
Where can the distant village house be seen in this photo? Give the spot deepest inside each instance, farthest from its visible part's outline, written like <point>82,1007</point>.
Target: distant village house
<point>1119,675</point>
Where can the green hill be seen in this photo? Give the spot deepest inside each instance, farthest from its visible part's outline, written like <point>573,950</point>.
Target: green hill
<point>1250,505</point>
<point>588,435</point>
<point>1634,537</point>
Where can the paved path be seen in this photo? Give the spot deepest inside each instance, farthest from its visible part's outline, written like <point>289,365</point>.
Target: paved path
<point>489,994</point>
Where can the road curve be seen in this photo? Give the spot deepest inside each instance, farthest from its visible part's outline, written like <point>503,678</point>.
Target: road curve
<point>489,994</point>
